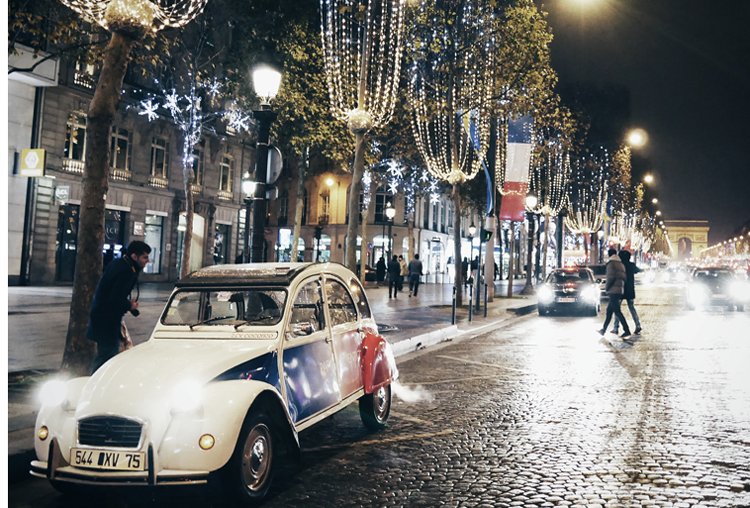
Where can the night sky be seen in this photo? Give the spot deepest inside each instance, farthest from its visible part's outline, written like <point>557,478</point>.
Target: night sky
<point>686,66</point>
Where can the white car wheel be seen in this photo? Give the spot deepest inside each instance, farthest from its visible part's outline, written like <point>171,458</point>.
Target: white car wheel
<point>252,466</point>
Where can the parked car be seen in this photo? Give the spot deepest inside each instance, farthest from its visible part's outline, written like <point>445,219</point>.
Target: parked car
<point>600,276</point>
<point>717,286</point>
<point>569,288</point>
<point>243,358</point>
<point>370,273</point>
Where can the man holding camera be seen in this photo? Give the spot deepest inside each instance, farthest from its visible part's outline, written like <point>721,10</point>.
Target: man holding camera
<point>112,300</point>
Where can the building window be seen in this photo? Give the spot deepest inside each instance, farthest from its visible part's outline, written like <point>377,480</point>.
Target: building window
<point>283,208</point>
<point>222,234</point>
<point>226,172</point>
<point>154,238</point>
<point>120,149</point>
<point>425,212</point>
<point>83,75</point>
<point>325,208</point>
<point>443,218</point>
<point>159,157</point>
<point>381,198</point>
<point>75,137</point>
<point>435,215</point>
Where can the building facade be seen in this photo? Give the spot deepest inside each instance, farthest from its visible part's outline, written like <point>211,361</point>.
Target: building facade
<point>146,196</point>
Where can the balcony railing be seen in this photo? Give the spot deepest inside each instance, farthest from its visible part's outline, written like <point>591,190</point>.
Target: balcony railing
<point>224,195</point>
<point>122,175</point>
<point>158,181</point>
<point>73,166</point>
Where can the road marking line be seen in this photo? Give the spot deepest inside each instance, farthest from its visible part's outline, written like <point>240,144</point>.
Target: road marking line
<point>408,437</point>
<point>409,418</point>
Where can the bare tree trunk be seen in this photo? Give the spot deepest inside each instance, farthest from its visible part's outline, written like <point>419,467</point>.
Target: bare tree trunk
<point>511,258</point>
<point>78,350</point>
<point>187,239</point>
<point>351,229</point>
<point>367,216</point>
<point>546,245</point>
<point>298,210</point>
<point>459,279</point>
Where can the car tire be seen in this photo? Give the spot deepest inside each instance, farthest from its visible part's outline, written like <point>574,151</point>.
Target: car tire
<point>250,471</point>
<point>594,311</point>
<point>374,408</point>
<point>543,311</point>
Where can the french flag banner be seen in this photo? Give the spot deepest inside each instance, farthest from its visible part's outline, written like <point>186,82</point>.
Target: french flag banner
<point>517,161</point>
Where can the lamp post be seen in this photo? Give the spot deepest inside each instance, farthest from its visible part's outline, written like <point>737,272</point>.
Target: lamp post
<point>390,213</point>
<point>528,289</point>
<point>249,188</point>
<point>266,81</point>
<point>600,244</point>
<point>472,233</point>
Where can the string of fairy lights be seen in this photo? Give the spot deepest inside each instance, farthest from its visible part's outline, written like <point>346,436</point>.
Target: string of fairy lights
<point>587,199</point>
<point>362,53</point>
<point>137,15</point>
<point>450,89</point>
<point>549,174</point>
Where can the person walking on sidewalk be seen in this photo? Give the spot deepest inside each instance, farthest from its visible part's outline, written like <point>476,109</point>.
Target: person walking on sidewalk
<point>415,272</point>
<point>615,288</point>
<point>629,295</point>
<point>465,271</point>
<point>380,269</point>
<point>404,272</point>
<point>112,300</point>
<point>394,274</point>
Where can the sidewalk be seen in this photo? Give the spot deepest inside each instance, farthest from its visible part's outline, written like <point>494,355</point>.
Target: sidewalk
<point>38,316</point>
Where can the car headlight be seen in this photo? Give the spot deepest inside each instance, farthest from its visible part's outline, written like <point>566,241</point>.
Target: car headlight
<point>545,294</point>
<point>591,294</point>
<point>53,392</point>
<point>186,396</point>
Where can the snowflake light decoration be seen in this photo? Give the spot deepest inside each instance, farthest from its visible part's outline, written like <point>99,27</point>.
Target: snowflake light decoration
<point>149,109</point>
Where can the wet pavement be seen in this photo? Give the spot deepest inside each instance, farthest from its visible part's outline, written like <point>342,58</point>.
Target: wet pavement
<point>538,411</point>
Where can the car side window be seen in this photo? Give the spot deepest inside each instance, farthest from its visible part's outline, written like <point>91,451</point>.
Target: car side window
<point>307,310</point>
<point>340,303</point>
<point>360,300</point>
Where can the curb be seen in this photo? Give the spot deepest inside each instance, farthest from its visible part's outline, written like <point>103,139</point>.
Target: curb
<point>424,340</point>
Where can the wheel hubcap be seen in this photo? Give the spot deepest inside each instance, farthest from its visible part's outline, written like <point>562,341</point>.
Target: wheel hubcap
<point>381,403</point>
<point>256,457</point>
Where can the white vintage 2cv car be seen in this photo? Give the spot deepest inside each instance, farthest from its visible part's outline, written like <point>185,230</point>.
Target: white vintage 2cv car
<point>243,358</point>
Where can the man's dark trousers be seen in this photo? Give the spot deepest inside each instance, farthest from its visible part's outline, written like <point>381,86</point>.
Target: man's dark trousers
<point>613,307</point>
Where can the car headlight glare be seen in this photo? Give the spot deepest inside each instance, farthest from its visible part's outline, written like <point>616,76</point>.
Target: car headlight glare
<point>206,442</point>
<point>186,396</point>
<point>740,291</point>
<point>42,433</point>
<point>697,294</point>
<point>591,294</point>
<point>53,392</point>
<point>545,295</point>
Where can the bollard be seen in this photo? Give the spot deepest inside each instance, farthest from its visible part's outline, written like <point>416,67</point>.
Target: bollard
<point>485,300</point>
<point>453,311</point>
<point>471,293</point>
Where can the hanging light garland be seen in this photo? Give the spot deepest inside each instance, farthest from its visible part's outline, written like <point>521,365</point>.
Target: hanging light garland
<point>587,198</point>
<point>450,90</point>
<point>549,175</point>
<point>137,16</point>
<point>362,50</point>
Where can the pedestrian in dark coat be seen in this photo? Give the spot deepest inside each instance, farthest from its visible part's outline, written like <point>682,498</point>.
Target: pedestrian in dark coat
<point>112,300</point>
<point>415,272</point>
<point>394,275</point>
<point>380,268</point>
<point>465,271</point>
<point>615,289</point>
<point>629,293</point>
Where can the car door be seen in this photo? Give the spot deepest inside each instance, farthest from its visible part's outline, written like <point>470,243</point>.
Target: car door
<point>310,375</point>
<point>345,331</point>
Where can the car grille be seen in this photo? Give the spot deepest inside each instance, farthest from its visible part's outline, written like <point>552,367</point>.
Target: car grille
<point>109,431</point>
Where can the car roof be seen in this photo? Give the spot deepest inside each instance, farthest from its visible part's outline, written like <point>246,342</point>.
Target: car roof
<point>259,274</point>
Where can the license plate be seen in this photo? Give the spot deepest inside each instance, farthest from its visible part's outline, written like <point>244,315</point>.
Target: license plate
<point>105,459</point>
<point>564,299</point>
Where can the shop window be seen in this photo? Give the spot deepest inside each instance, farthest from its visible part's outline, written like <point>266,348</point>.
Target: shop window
<point>75,137</point>
<point>226,172</point>
<point>154,238</point>
<point>221,244</point>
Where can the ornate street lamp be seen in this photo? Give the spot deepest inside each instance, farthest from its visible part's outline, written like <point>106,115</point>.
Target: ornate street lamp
<point>266,82</point>
<point>249,189</point>
<point>390,213</point>
<point>530,205</point>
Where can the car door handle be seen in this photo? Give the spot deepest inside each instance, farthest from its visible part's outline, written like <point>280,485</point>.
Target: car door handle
<point>329,339</point>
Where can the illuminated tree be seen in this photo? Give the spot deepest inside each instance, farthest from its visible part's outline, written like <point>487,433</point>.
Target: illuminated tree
<point>128,21</point>
<point>362,49</point>
<point>587,198</point>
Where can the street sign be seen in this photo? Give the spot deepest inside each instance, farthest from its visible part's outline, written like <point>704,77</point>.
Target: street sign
<point>32,162</point>
<point>275,163</point>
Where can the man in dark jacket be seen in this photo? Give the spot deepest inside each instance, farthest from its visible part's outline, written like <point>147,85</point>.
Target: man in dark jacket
<point>415,272</point>
<point>615,288</point>
<point>112,300</point>
<point>629,295</point>
<point>394,276</point>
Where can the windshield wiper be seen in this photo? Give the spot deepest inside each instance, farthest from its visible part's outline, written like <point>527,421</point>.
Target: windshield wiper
<point>209,320</point>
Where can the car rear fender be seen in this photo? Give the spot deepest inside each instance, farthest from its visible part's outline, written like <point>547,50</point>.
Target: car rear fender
<point>378,363</point>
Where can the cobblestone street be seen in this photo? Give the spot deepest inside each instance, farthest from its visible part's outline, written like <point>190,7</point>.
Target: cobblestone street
<point>545,412</point>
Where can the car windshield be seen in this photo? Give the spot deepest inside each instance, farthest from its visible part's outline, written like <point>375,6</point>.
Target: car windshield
<point>568,276</point>
<point>252,306</point>
<point>713,275</point>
